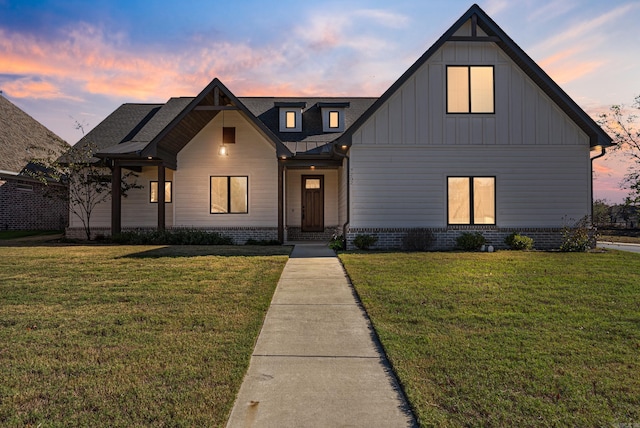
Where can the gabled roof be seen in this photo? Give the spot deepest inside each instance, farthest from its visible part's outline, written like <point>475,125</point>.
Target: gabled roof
<point>167,128</point>
<point>597,136</point>
<point>23,138</point>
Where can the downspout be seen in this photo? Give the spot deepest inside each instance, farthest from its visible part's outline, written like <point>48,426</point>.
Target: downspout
<point>603,151</point>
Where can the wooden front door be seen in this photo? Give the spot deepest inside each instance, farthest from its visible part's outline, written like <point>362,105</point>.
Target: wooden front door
<point>312,203</point>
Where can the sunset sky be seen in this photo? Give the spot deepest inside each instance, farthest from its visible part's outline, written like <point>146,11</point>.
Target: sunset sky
<point>78,60</point>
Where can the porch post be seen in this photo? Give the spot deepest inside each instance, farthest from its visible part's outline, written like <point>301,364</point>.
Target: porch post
<point>161,201</point>
<point>116,177</point>
<point>280,201</point>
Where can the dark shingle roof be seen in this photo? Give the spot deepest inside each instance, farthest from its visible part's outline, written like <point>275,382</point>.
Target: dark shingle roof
<point>120,126</point>
<point>312,137</point>
<point>23,138</point>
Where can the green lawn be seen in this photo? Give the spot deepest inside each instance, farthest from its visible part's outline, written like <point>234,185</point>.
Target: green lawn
<point>509,338</point>
<point>129,336</point>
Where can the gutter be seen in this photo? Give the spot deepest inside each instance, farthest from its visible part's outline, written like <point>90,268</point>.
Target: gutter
<point>603,152</point>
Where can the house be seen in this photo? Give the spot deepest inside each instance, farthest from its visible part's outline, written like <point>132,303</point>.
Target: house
<point>25,202</point>
<point>474,136</point>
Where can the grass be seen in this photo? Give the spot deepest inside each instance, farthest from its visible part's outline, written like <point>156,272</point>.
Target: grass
<point>129,336</point>
<point>511,338</point>
<point>15,234</point>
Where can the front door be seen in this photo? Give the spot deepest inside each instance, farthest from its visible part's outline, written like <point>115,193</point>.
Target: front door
<point>312,203</point>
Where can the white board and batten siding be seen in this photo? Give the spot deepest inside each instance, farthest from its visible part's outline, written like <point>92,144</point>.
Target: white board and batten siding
<point>137,208</point>
<point>251,156</point>
<point>402,155</point>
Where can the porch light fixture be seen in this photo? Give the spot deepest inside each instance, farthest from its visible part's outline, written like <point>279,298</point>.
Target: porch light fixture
<point>313,167</point>
<point>222,151</point>
<point>344,147</point>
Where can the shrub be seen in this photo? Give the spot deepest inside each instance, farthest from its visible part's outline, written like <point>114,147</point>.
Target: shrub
<point>417,240</point>
<point>363,242</point>
<point>515,241</point>
<point>171,237</point>
<point>263,242</point>
<point>577,238</point>
<point>337,242</point>
<point>470,241</point>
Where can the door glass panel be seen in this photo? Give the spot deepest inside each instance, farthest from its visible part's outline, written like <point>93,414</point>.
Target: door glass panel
<point>312,183</point>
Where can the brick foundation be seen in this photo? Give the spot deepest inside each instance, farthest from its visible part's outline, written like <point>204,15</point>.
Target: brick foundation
<point>27,204</point>
<point>294,233</point>
<point>445,238</point>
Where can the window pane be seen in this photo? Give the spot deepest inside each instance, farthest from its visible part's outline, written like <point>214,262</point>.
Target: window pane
<point>167,191</point>
<point>458,89</point>
<point>484,200</point>
<point>239,200</point>
<point>333,119</point>
<point>290,119</point>
<point>481,89</point>
<point>459,201</point>
<point>154,191</point>
<point>219,198</point>
<point>311,183</point>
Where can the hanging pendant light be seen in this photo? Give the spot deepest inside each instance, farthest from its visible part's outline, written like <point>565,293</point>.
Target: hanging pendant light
<point>222,150</point>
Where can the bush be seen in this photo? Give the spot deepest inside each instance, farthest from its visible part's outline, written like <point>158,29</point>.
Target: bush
<point>263,242</point>
<point>363,242</point>
<point>417,240</point>
<point>577,237</point>
<point>171,237</point>
<point>515,241</point>
<point>469,241</point>
<point>337,242</point>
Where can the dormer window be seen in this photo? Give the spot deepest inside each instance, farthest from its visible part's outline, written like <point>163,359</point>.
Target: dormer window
<point>291,116</point>
<point>333,116</point>
<point>334,119</point>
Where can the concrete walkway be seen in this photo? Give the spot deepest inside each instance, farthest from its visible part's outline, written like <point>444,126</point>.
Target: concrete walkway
<point>316,362</point>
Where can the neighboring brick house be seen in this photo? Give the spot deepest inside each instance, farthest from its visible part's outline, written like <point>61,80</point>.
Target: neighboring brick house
<point>25,202</point>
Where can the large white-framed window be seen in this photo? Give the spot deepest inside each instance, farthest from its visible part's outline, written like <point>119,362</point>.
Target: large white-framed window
<point>153,193</point>
<point>471,200</point>
<point>470,89</point>
<point>229,195</point>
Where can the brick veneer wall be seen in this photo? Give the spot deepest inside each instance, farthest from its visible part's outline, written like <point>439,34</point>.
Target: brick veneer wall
<point>445,238</point>
<point>240,235</point>
<point>296,234</point>
<point>41,208</point>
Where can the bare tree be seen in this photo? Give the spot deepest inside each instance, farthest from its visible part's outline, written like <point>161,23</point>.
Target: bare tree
<point>623,126</point>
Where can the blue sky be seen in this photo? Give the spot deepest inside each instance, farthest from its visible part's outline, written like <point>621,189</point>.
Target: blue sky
<point>63,61</point>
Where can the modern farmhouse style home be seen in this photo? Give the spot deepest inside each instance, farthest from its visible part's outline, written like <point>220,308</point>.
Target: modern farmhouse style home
<point>472,137</point>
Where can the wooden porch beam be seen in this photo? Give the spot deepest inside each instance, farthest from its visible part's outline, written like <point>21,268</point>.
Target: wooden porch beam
<point>161,198</point>
<point>280,201</point>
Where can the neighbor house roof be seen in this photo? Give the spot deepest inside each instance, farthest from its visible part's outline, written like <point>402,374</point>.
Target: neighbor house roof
<point>597,136</point>
<point>22,138</point>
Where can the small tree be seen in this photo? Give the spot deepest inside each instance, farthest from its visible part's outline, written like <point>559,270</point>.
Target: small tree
<point>623,126</point>
<point>601,216</point>
<point>87,179</point>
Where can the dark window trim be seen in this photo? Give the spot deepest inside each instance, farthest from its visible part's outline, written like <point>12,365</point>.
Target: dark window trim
<point>229,177</point>
<point>446,86</point>
<point>471,200</point>
<point>165,197</point>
